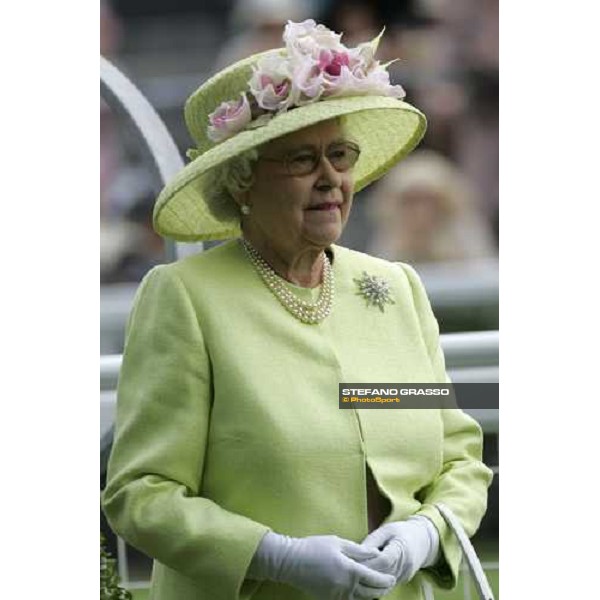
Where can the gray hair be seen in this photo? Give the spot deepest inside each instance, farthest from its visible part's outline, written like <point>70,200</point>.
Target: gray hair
<point>220,184</point>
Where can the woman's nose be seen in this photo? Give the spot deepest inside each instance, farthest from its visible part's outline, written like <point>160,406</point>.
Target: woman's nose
<point>328,174</point>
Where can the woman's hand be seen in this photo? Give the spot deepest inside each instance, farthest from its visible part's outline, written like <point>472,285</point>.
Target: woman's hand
<point>407,546</point>
<point>325,566</point>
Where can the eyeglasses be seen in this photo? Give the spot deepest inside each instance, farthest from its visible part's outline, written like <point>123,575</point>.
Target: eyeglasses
<point>341,155</point>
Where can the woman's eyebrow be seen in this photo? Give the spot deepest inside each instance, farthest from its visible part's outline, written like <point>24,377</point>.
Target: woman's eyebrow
<point>301,147</point>
<point>313,147</point>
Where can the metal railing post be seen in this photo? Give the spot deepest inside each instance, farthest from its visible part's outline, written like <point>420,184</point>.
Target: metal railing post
<point>127,100</point>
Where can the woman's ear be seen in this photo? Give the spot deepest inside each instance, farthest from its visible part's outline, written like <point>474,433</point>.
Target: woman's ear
<point>242,201</point>
<point>241,198</point>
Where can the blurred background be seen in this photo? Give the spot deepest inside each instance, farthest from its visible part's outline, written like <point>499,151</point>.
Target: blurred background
<point>437,210</point>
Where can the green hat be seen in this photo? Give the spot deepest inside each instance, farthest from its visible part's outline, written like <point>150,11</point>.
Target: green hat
<point>265,96</point>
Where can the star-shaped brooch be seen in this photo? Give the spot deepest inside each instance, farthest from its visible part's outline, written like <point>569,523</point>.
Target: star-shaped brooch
<point>375,290</point>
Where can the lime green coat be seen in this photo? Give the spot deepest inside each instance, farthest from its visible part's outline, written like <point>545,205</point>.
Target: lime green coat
<point>228,424</point>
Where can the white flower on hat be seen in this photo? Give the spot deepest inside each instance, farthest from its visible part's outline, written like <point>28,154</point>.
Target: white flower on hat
<point>365,75</point>
<point>271,83</point>
<point>365,53</point>
<point>307,81</point>
<point>229,118</point>
<point>358,83</point>
<point>308,38</point>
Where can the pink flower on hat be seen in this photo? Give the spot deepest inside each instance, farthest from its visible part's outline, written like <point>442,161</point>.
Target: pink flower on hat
<point>331,61</point>
<point>229,118</point>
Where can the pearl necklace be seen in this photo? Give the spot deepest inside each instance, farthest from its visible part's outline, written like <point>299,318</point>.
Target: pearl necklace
<point>307,312</point>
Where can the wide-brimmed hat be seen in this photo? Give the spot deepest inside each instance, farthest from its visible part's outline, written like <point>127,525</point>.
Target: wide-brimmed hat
<point>265,96</point>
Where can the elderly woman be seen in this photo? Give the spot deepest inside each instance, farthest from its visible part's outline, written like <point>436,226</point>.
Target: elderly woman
<point>232,465</point>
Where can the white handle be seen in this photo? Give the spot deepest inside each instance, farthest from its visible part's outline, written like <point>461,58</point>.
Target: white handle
<point>481,582</point>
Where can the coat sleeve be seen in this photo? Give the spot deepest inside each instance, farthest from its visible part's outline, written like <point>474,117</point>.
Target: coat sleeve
<point>464,479</point>
<point>152,497</point>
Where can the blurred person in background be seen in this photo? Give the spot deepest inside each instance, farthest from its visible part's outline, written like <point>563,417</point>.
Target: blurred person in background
<point>359,20</point>
<point>237,485</point>
<point>449,63</point>
<point>460,94</point>
<point>256,27</point>
<point>363,19</point>
<point>478,150</point>
<point>423,212</point>
<point>429,62</point>
<point>129,246</point>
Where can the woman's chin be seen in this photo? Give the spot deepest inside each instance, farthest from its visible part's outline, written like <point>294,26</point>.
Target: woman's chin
<point>323,236</point>
<point>325,230</point>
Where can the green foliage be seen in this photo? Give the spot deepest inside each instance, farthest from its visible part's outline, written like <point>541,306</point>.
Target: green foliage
<point>109,581</point>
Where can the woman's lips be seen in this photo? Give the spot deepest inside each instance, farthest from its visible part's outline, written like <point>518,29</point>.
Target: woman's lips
<point>326,206</point>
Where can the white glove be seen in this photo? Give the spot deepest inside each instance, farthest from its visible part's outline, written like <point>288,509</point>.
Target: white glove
<point>321,565</point>
<point>407,546</point>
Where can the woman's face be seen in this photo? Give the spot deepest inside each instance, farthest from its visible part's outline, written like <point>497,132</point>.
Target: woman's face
<point>295,212</point>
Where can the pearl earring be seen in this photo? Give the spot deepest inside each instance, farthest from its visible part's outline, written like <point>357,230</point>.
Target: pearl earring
<point>245,209</point>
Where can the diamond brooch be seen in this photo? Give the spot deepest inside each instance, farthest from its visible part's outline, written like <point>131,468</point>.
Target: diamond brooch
<point>375,290</point>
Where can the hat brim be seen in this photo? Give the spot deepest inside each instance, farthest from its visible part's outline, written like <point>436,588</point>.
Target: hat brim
<point>386,129</point>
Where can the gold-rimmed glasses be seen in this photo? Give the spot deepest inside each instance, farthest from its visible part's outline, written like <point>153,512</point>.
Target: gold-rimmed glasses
<point>304,160</point>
